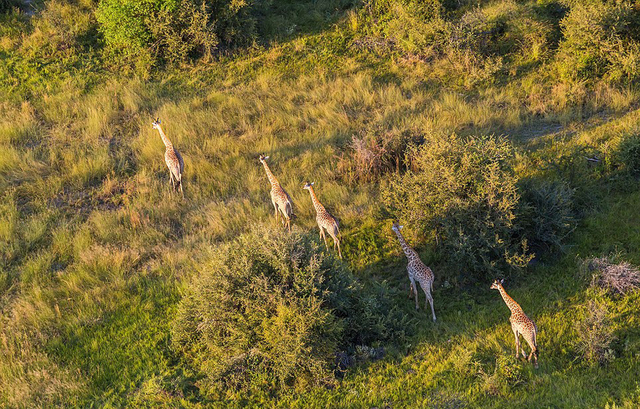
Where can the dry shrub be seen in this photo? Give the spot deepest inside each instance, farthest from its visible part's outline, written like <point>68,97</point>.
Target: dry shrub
<point>616,276</point>
<point>371,154</point>
<point>595,333</point>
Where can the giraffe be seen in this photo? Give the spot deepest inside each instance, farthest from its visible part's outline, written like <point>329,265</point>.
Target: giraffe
<point>279,197</point>
<point>417,270</point>
<point>520,324</point>
<point>172,158</point>
<point>325,220</point>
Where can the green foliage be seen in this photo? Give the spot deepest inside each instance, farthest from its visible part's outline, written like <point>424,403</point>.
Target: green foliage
<point>269,309</point>
<point>461,192</point>
<point>6,5</point>
<point>546,214</point>
<point>174,31</point>
<point>600,41</point>
<point>628,154</point>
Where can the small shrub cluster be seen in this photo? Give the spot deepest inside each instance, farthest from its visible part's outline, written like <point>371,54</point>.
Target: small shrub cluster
<point>611,274</point>
<point>174,31</point>
<point>601,40</point>
<point>595,333</point>
<point>508,373</point>
<point>461,193</point>
<point>628,155</point>
<point>6,5</point>
<point>546,215</point>
<point>269,310</point>
<point>371,154</point>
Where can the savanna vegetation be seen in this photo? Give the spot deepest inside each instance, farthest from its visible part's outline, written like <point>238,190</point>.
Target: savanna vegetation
<point>504,135</point>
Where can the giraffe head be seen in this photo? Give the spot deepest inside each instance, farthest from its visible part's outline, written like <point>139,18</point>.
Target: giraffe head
<point>156,123</point>
<point>396,227</point>
<point>263,158</point>
<point>497,284</point>
<point>308,185</point>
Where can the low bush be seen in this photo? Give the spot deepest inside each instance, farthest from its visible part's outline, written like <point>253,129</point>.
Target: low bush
<point>461,194</point>
<point>595,333</point>
<point>174,31</point>
<point>371,154</point>
<point>6,5</point>
<point>628,155</point>
<point>546,214</point>
<point>600,41</point>
<point>270,310</point>
<point>612,274</point>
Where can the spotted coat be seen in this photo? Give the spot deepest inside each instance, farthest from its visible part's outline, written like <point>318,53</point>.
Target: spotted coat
<point>325,220</point>
<point>172,158</point>
<point>520,324</point>
<point>279,197</point>
<point>417,270</point>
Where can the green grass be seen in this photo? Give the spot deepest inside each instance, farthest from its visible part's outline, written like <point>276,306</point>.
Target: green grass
<point>96,251</point>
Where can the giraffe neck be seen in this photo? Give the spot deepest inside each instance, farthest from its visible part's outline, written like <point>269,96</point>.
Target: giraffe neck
<point>511,304</point>
<point>316,203</point>
<point>408,251</point>
<point>272,179</point>
<point>165,140</point>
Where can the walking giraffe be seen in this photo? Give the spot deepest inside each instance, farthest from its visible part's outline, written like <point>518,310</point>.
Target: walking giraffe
<point>520,324</point>
<point>417,270</point>
<point>172,158</point>
<point>325,220</point>
<point>279,197</point>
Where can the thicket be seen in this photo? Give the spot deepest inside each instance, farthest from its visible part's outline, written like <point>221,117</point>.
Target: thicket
<point>6,5</point>
<point>461,193</point>
<point>463,196</point>
<point>271,310</point>
<point>600,40</point>
<point>174,31</point>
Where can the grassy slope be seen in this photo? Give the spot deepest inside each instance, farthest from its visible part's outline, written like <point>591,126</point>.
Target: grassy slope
<point>96,250</point>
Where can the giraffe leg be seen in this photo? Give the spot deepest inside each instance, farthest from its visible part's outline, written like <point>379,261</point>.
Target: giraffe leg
<point>534,352</point>
<point>181,191</point>
<point>275,207</point>
<point>336,242</point>
<point>173,186</point>
<point>324,236</point>
<point>415,292</point>
<point>411,289</point>
<point>515,333</point>
<point>430,300</point>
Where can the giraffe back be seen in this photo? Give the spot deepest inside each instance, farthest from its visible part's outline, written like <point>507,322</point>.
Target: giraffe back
<point>280,197</point>
<point>420,271</point>
<point>174,162</point>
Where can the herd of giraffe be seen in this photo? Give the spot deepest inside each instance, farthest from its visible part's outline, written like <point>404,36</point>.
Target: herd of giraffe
<point>417,270</point>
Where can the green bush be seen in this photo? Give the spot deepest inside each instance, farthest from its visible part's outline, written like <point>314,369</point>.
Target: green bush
<point>628,154</point>
<point>600,41</point>
<point>546,214</point>
<point>461,194</point>
<point>174,31</point>
<point>270,309</point>
<point>6,5</point>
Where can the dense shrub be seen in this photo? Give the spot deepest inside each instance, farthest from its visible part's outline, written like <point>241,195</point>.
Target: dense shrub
<point>174,30</point>
<point>601,40</point>
<point>546,214</point>
<point>270,309</point>
<point>6,5</point>
<point>462,193</point>
<point>408,23</point>
<point>628,154</point>
<point>62,29</point>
